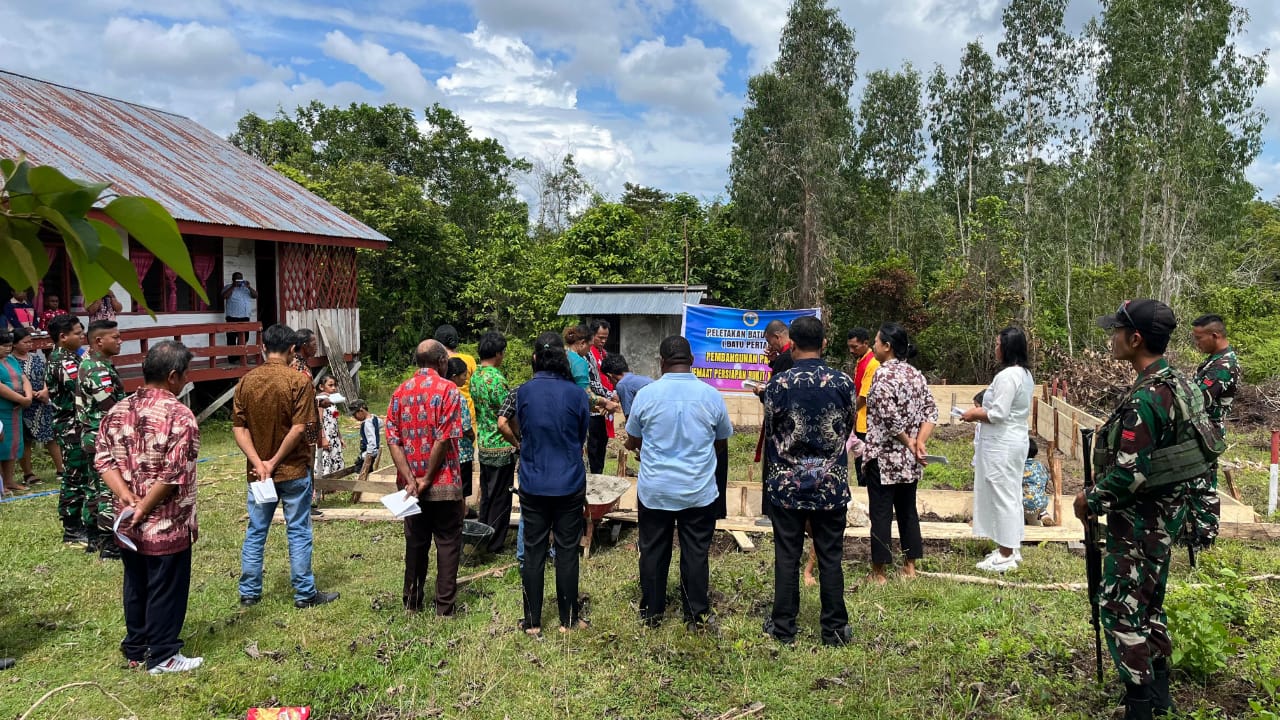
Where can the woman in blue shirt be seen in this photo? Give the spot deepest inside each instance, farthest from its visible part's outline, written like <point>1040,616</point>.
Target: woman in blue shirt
<point>550,423</point>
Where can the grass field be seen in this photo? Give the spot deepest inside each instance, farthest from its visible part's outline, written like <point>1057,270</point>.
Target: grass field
<point>922,649</point>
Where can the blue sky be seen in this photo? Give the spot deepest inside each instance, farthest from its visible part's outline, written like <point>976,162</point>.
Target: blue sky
<point>640,91</point>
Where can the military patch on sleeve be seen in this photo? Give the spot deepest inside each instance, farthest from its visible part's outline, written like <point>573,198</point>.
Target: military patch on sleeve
<point>1128,435</point>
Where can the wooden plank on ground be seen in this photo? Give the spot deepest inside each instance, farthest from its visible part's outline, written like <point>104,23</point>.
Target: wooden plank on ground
<point>355,485</point>
<point>213,406</point>
<point>744,542</point>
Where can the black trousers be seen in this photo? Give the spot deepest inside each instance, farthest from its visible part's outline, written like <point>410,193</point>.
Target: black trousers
<point>155,604</point>
<point>696,527</point>
<point>827,527</point>
<point>495,501</point>
<point>720,507</point>
<point>597,444</point>
<point>468,476</point>
<point>561,517</point>
<point>237,338</point>
<point>884,502</point>
<point>441,520</point>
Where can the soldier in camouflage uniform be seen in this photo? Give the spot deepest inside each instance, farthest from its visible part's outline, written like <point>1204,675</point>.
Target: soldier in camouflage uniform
<point>1218,377</point>
<point>1147,453</point>
<point>62,379</point>
<point>99,389</point>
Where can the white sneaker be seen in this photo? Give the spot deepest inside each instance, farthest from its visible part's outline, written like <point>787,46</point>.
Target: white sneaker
<point>999,564</point>
<point>1017,554</point>
<point>176,664</point>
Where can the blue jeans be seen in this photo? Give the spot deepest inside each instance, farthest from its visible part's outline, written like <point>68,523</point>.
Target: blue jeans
<point>296,496</point>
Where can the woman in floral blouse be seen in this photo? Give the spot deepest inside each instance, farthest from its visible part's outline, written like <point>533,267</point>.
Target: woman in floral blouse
<point>900,417</point>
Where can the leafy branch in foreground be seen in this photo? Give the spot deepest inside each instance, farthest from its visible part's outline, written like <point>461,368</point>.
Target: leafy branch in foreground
<point>38,199</point>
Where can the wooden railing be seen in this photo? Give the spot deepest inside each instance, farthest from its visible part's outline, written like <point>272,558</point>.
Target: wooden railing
<point>212,362</point>
<point>1056,420</point>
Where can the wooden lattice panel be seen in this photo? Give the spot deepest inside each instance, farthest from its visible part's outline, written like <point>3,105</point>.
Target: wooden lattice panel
<point>317,276</point>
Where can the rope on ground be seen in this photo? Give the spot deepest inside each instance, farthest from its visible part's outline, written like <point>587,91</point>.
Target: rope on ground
<point>132,715</point>
<point>1069,587</point>
<point>28,496</point>
<point>974,580</point>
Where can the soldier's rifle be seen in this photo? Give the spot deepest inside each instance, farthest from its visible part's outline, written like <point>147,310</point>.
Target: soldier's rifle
<point>1092,552</point>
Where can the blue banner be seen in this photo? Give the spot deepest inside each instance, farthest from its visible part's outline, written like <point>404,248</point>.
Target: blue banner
<point>728,343</point>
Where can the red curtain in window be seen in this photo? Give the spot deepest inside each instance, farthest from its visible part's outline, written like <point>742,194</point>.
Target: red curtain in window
<point>142,260</point>
<point>203,265</point>
<point>170,290</point>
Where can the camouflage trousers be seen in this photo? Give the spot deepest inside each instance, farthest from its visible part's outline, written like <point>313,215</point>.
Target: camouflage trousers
<point>74,484</point>
<point>1135,573</point>
<point>1203,511</point>
<point>99,510</point>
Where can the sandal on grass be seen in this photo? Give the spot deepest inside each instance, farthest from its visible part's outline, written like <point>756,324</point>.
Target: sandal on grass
<point>534,633</point>
<point>31,479</point>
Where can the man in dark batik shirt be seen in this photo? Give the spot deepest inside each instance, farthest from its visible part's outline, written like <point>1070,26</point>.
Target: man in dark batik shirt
<point>809,413</point>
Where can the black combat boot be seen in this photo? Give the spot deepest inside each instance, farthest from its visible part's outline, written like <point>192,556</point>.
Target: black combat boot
<point>1137,702</point>
<point>1162,704</point>
<point>73,534</point>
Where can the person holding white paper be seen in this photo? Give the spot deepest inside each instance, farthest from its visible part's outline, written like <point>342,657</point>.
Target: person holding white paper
<point>424,425</point>
<point>1000,456</point>
<point>272,409</point>
<point>145,451</point>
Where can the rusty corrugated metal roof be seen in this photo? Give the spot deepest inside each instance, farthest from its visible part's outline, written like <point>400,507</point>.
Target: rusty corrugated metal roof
<point>630,299</point>
<point>193,173</point>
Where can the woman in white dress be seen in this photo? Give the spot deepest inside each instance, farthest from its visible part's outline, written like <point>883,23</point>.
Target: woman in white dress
<point>999,458</point>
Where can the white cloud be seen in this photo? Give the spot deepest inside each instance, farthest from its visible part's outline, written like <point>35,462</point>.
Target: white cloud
<point>686,77</point>
<point>189,51</point>
<point>756,24</point>
<point>502,69</point>
<point>399,76</point>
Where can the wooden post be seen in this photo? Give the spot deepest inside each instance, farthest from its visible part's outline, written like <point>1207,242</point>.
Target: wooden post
<point>951,419</point>
<point>1055,478</point>
<point>1229,476</point>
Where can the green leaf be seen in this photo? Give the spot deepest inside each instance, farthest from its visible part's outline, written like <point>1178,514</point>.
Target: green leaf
<point>15,175</point>
<point>118,266</point>
<point>30,262</point>
<point>45,180</point>
<point>153,227</point>
<point>94,280</point>
<point>77,202</point>
<point>74,230</point>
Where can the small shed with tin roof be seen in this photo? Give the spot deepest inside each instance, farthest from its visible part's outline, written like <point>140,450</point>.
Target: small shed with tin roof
<point>639,316</point>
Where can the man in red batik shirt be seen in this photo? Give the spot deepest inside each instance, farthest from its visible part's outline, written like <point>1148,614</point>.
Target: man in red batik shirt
<point>424,424</point>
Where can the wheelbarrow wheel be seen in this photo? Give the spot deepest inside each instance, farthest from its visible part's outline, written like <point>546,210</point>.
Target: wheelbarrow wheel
<point>615,532</point>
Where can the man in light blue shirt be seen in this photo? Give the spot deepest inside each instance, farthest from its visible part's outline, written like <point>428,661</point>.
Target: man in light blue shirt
<point>236,297</point>
<point>677,423</point>
<point>625,383</point>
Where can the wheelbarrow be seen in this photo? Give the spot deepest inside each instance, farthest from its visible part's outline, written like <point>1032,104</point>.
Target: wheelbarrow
<point>603,494</point>
<point>475,534</point>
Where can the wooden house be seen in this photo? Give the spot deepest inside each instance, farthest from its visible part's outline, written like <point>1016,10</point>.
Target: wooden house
<point>236,215</point>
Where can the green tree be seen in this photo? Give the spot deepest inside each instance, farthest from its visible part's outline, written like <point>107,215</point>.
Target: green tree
<point>472,178</point>
<point>890,144</point>
<point>562,190</point>
<point>1177,131</point>
<point>791,146</point>
<point>1039,65</point>
<point>397,308</point>
<point>967,130</point>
